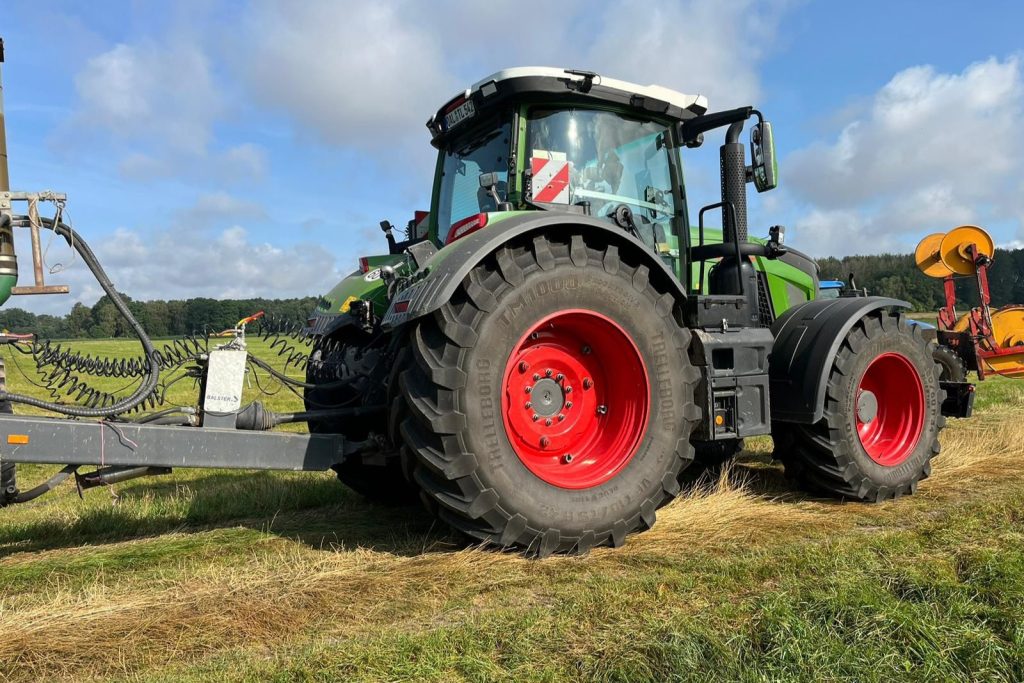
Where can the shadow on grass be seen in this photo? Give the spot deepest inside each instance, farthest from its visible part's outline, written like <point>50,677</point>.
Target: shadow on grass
<point>754,471</point>
<point>313,509</point>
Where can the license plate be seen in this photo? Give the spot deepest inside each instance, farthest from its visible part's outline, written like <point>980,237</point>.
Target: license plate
<point>459,114</point>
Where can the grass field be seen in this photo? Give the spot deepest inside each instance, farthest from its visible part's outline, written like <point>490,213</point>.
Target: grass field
<point>252,576</point>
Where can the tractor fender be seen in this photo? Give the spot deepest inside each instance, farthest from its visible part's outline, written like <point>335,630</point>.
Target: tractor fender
<point>450,266</point>
<point>321,324</point>
<point>807,339</point>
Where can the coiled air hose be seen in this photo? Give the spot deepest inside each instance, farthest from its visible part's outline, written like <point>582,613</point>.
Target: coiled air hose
<point>152,375</point>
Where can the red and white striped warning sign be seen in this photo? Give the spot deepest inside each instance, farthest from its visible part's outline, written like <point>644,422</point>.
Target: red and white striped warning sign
<point>550,180</point>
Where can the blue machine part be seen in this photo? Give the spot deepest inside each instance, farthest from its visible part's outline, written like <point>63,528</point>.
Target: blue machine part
<point>830,289</point>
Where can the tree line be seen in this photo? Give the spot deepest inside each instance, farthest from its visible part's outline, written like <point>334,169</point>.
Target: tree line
<point>158,318</point>
<point>897,276</point>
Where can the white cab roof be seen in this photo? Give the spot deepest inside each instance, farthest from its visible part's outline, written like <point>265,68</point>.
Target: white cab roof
<point>654,91</point>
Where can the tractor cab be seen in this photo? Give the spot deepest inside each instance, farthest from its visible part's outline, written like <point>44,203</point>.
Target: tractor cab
<point>539,138</point>
<point>546,139</point>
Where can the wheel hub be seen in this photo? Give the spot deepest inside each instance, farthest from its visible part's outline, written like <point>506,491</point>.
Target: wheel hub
<point>548,398</point>
<point>867,406</point>
<point>576,399</point>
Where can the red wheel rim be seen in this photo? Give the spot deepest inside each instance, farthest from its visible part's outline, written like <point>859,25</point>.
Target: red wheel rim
<point>890,409</point>
<point>575,399</point>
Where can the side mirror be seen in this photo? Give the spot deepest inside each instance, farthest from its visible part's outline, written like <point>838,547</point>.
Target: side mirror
<point>489,183</point>
<point>762,153</point>
<point>489,180</point>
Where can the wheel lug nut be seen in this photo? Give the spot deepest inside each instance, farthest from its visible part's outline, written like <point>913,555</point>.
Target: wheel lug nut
<point>602,410</point>
<point>568,404</point>
<point>536,417</point>
<point>547,373</point>
<point>587,383</point>
<point>529,389</point>
<point>536,377</point>
<point>529,405</point>
<point>544,441</point>
<point>523,366</point>
<point>561,417</point>
<point>559,377</point>
<point>567,458</point>
<point>568,390</point>
<point>547,422</point>
<point>585,350</point>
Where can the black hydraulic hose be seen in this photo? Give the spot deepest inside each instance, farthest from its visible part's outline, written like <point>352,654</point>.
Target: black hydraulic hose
<point>299,383</point>
<point>179,420</point>
<point>46,486</point>
<point>256,416</point>
<point>152,376</point>
<point>160,414</point>
<point>306,416</point>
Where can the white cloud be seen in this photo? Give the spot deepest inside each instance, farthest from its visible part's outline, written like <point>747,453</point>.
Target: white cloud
<point>232,166</point>
<point>227,264</point>
<point>366,74</point>
<point>150,92</point>
<point>218,207</point>
<point>354,73</point>
<point>203,251</point>
<point>932,150</point>
<point>707,47</point>
<point>161,102</point>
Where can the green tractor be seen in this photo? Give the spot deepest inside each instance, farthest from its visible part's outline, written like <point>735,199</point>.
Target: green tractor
<point>558,348</point>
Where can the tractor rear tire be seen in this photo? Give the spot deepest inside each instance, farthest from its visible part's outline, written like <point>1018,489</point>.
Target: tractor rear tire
<point>882,416</point>
<point>379,479</point>
<point>952,365</point>
<point>551,399</point>
<point>8,478</point>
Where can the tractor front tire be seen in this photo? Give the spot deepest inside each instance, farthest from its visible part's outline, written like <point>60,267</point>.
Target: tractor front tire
<point>881,419</point>
<point>379,479</point>
<point>551,399</point>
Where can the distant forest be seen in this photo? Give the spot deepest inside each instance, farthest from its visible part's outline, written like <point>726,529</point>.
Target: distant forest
<point>892,275</point>
<point>896,275</point>
<point>158,318</point>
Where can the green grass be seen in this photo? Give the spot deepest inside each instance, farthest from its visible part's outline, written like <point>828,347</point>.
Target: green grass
<point>253,576</point>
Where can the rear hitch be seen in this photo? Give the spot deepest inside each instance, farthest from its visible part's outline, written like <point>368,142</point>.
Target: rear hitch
<point>959,399</point>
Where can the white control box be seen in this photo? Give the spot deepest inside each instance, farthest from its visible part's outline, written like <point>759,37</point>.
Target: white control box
<point>224,380</point>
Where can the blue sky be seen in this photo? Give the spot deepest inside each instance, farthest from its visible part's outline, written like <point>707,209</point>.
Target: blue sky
<point>250,148</point>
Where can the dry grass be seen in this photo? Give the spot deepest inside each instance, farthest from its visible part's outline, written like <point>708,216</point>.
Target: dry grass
<point>291,590</point>
<point>286,590</point>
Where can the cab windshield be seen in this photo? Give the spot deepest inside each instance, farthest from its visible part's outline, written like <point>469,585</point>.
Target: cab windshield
<point>612,160</point>
<point>460,195</point>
